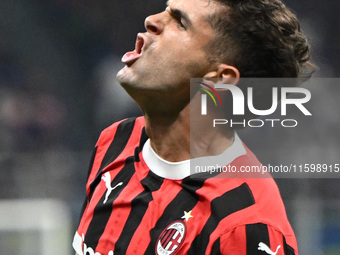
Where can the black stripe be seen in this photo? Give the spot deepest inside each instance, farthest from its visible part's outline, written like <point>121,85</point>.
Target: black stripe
<point>287,248</point>
<point>256,234</point>
<point>123,133</point>
<point>139,205</point>
<point>215,250</point>
<point>91,162</point>
<point>87,177</point>
<point>143,138</point>
<point>185,200</point>
<point>102,212</point>
<point>85,202</point>
<point>122,136</point>
<point>230,202</point>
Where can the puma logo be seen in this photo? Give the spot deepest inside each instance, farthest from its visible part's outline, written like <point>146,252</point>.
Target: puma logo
<point>82,249</point>
<point>107,179</point>
<point>264,247</point>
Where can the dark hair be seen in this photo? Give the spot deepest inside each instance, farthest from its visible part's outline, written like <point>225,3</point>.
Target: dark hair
<point>261,38</point>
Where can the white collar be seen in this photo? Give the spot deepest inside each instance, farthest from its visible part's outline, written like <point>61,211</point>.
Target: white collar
<point>180,170</point>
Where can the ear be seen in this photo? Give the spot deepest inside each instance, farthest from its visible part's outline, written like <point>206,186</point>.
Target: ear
<point>225,74</point>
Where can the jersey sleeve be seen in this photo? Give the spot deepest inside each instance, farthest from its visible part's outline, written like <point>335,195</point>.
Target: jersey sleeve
<point>111,143</point>
<point>255,239</point>
<point>102,144</point>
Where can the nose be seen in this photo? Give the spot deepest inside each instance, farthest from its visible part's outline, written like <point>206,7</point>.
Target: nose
<point>154,24</point>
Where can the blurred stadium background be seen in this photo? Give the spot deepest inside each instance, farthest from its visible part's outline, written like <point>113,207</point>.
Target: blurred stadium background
<point>58,61</point>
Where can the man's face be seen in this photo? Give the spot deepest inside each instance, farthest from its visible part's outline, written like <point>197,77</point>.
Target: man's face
<point>171,51</point>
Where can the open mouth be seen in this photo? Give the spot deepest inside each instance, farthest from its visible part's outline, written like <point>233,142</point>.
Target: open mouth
<point>130,57</point>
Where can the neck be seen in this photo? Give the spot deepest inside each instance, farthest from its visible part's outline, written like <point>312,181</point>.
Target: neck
<point>170,136</point>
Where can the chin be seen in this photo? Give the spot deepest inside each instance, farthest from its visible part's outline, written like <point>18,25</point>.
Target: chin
<point>122,73</point>
<point>127,81</point>
<point>124,76</point>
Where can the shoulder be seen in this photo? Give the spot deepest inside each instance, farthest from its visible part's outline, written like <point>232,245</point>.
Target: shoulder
<point>256,200</point>
<point>123,127</point>
<point>257,238</point>
<point>119,139</point>
<point>252,212</point>
<point>261,222</point>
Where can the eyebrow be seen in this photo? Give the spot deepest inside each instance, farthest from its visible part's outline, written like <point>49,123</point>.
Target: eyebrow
<point>177,13</point>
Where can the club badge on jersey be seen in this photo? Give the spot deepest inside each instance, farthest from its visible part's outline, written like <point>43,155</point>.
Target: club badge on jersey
<point>171,238</point>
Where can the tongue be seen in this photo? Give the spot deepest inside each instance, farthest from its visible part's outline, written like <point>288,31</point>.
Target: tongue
<point>130,56</point>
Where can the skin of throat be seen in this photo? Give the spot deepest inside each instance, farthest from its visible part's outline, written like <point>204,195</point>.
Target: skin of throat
<point>178,137</point>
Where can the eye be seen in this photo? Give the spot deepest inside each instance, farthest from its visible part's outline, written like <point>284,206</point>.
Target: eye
<point>180,23</point>
<point>176,15</point>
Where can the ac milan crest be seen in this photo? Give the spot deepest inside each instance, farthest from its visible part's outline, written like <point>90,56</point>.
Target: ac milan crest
<point>171,239</point>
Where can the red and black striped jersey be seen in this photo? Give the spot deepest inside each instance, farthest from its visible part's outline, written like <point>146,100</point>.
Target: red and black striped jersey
<point>130,209</point>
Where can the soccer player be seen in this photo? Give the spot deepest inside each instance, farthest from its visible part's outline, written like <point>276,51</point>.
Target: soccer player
<point>140,195</point>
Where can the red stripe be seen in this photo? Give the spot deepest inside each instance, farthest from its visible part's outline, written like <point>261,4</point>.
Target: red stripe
<point>164,240</point>
<point>163,236</point>
<point>173,231</point>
